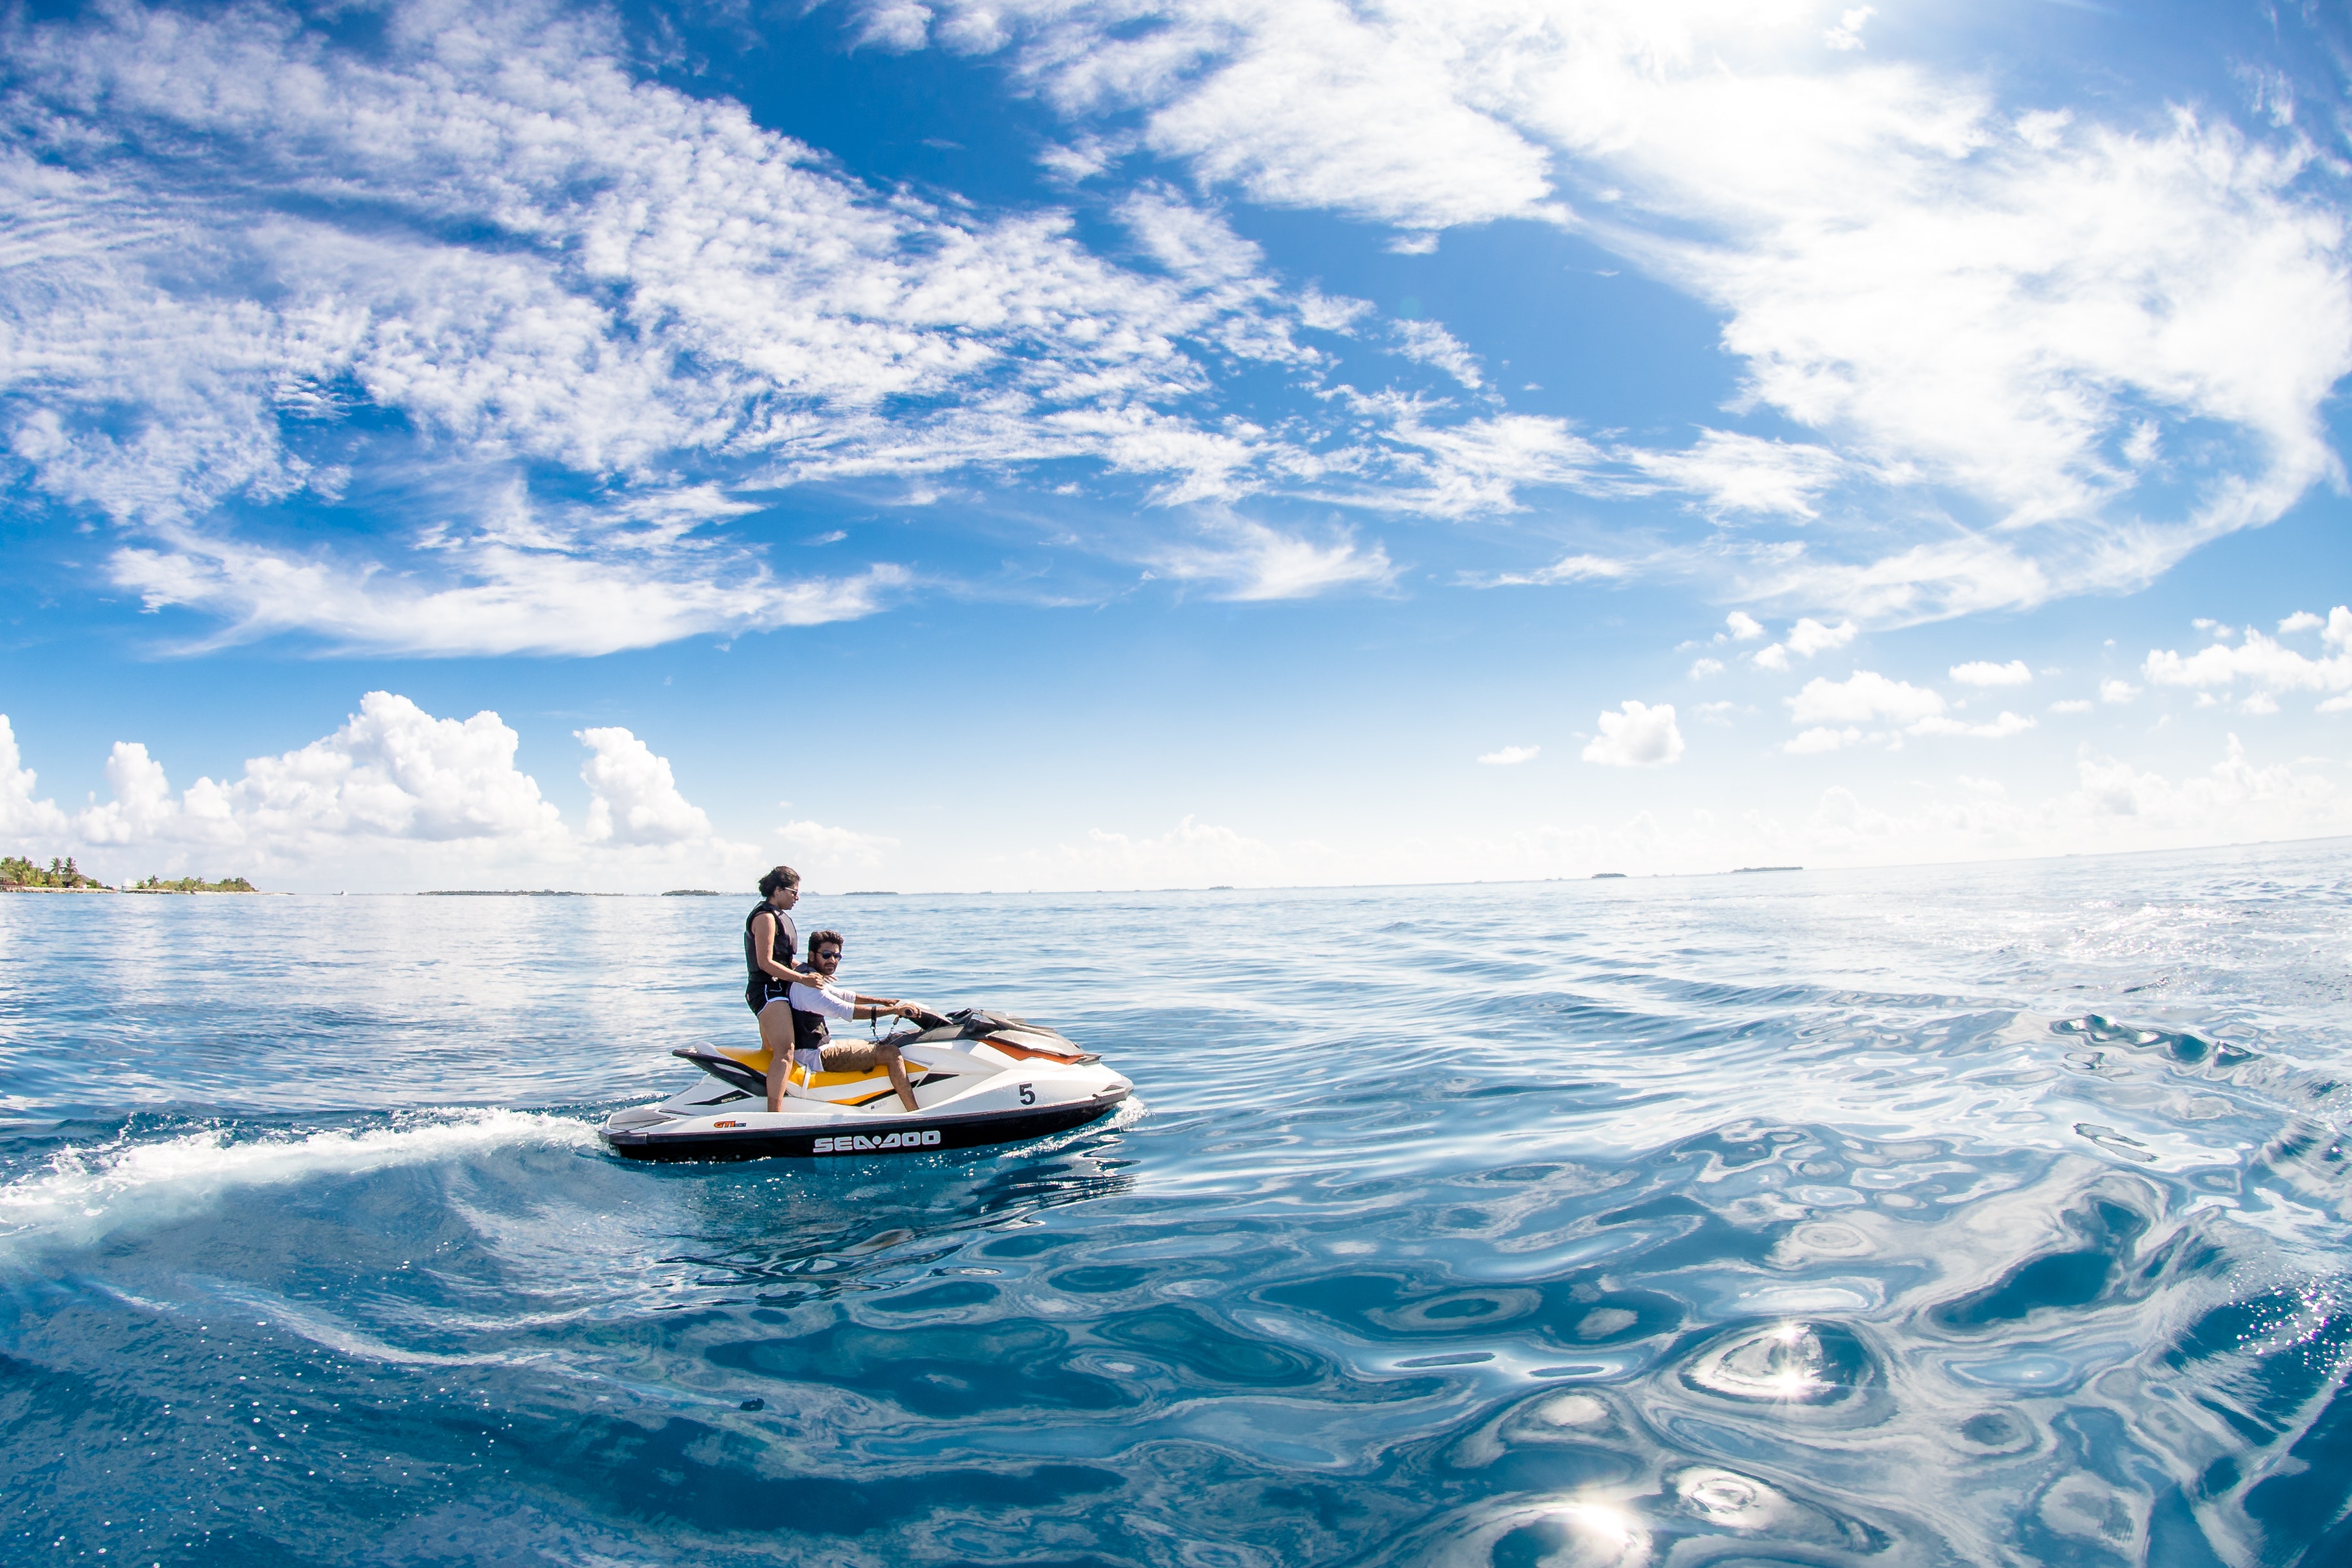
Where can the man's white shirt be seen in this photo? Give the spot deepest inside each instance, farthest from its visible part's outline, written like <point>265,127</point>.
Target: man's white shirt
<point>829,1000</point>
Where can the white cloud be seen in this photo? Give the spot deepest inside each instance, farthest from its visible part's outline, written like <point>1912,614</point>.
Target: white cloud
<point>1639,737</point>
<point>23,817</point>
<point>1809,637</point>
<point>1510,756</point>
<point>1805,639</point>
<point>1734,473</point>
<point>678,305</point>
<point>1745,628</point>
<point>2300,621</point>
<point>633,798</point>
<point>1861,698</point>
<point>2072,705</point>
<point>402,798</point>
<point>517,584</point>
<point>1246,561</point>
<point>1985,672</point>
<point>2216,804</point>
<point>2000,729</point>
<point>1568,568</point>
<point>1847,34</point>
<point>1702,668</point>
<point>2115,690</point>
<point>829,851</point>
<point>1433,345</point>
<point>1822,737</point>
<point>2005,314</point>
<point>2260,660</point>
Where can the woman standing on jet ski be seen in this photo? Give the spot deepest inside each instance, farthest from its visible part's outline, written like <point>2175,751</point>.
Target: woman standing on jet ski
<point>769,942</point>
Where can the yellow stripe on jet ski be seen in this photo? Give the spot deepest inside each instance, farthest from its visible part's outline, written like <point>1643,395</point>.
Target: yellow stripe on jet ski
<point>757,1061</point>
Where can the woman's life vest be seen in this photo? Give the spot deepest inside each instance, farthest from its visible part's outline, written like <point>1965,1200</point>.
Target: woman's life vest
<point>787,941</point>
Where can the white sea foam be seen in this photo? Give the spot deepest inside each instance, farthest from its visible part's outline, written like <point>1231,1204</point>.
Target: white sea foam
<point>89,1193</point>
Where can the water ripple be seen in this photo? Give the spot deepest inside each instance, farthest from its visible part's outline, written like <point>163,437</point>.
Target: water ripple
<point>1961,1215</point>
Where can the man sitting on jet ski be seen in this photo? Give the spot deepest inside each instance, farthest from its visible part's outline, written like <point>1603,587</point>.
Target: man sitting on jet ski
<point>813,1046</point>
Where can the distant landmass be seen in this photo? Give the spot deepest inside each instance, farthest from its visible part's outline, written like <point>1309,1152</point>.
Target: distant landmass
<point>1608,875</point>
<point>1738,869</point>
<point>694,893</point>
<point>513,893</point>
<point>192,884</point>
<point>872,893</point>
<point>19,875</point>
<point>17,872</point>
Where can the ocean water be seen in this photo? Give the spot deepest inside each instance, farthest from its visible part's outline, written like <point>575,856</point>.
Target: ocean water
<point>1970,1215</point>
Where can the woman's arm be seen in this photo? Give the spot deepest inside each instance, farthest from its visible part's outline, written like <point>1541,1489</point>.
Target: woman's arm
<point>763,948</point>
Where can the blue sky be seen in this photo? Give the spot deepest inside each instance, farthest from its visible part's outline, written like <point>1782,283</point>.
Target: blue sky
<point>1042,445</point>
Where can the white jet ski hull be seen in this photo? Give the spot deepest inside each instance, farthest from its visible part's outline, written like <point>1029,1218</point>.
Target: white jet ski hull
<point>984,1078</point>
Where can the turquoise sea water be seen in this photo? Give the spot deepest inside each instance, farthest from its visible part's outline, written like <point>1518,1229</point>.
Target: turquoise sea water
<point>1981,1215</point>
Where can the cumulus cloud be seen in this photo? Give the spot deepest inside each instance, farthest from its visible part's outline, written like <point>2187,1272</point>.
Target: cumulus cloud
<point>1744,627</point>
<point>2000,729</point>
<point>1863,698</point>
<point>1510,756</point>
<point>1837,708</point>
<point>2072,705</point>
<point>1822,737</point>
<point>633,798</point>
<point>2262,661</point>
<point>2115,690</point>
<point>2291,802</point>
<point>395,791</point>
<point>1639,735</point>
<point>1985,672</point>
<point>1805,639</point>
<point>23,817</point>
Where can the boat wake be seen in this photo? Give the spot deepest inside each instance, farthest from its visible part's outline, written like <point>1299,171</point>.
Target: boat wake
<point>88,1192</point>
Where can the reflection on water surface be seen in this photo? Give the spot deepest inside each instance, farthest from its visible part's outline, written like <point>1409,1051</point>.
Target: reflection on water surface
<point>1978,1214</point>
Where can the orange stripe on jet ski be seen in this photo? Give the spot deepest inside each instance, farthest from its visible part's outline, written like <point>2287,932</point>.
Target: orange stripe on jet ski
<point>1023,1052</point>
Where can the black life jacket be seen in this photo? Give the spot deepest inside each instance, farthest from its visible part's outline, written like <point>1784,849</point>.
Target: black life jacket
<point>781,950</point>
<point>811,1031</point>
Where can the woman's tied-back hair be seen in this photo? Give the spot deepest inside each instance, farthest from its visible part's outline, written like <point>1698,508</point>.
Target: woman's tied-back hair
<point>825,939</point>
<point>782,877</point>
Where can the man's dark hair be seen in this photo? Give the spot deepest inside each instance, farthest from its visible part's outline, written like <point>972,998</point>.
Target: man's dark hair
<point>782,877</point>
<point>825,939</point>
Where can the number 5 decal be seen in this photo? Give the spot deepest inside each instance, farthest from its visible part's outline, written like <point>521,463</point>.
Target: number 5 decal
<point>1028,1095</point>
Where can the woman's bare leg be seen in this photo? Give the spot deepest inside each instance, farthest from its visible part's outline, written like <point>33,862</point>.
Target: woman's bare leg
<point>776,1034</point>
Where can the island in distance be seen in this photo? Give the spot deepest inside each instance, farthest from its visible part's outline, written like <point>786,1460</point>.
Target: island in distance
<point>18,874</point>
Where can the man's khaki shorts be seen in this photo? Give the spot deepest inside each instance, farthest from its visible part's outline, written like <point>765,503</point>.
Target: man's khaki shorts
<point>856,1057</point>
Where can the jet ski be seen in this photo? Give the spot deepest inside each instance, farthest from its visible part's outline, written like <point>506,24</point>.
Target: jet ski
<point>978,1077</point>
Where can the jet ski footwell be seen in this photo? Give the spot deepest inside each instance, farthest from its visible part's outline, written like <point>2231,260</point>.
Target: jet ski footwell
<point>978,1077</point>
